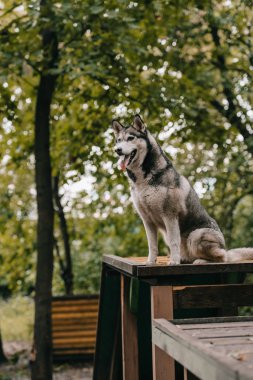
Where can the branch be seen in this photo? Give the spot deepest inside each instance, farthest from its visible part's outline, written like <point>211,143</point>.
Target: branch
<point>231,112</point>
<point>68,274</point>
<point>57,250</point>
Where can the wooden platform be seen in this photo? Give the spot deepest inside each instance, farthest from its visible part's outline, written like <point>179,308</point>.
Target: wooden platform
<point>136,266</point>
<point>217,348</point>
<point>133,294</point>
<point>74,323</point>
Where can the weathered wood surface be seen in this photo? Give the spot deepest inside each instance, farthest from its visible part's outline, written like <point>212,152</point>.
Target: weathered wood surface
<point>129,334</point>
<point>108,357</point>
<point>205,350</point>
<point>74,323</point>
<point>212,296</point>
<point>162,307</point>
<point>107,360</point>
<point>135,266</point>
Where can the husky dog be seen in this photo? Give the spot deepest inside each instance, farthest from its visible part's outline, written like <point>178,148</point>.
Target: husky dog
<point>166,201</point>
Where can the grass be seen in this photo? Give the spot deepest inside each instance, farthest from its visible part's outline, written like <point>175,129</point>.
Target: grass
<point>16,324</point>
<point>16,319</point>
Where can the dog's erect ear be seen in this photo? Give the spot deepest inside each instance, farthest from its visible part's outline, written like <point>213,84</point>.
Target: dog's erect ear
<point>139,124</point>
<point>117,127</point>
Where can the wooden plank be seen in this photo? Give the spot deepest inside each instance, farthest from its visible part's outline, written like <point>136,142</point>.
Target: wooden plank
<point>79,302</point>
<point>235,342</point>
<point>189,376</point>
<point>80,334</point>
<point>192,321</point>
<point>63,307</point>
<point>71,339</point>
<point>116,357</point>
<point>215,325</point>
<point>75,344</point>
<point>64,355</point>
<point>71,309</point>
<point>202,360</point>
<point>75,321</point>
<point>221,333</point>
<point>75,349</point>
<point>139,269</point>
<point>85,314</point>
<point>121,264</point>
<point>144,332</point>
<point>74,334</point>
<point>109,310</point>
<point>243,356</point>
<point>134,295</point>
<point>235,348</point>
<point>81,342</point>
<point>74,328</point>
<point>74,298</point>
<point>162,307</point>
<point>227,341</point>
<point>185,297</point>
<point>58,355</point>
<point>129,334</point>
<point>191,269</point>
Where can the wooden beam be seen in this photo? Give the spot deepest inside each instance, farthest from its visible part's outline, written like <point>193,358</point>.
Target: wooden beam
<point>129,334</point>
<point>162,307</point>
<point>212,296</point>
<point>189,376</point>
<point>138,268</point>
<point>109,309</point>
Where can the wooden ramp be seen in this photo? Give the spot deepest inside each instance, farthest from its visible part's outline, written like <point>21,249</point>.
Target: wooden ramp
<point>74,323</point>
<point>208,348</point>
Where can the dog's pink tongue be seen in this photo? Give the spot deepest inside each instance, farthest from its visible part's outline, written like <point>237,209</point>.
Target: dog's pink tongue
<point>123,163</point>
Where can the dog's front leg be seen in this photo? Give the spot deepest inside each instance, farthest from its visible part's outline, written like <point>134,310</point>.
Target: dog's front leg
<point>151,232</point>
<point>173,239</point>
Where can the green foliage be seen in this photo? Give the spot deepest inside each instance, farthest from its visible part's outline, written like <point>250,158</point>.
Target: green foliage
<point>17,319</point>
<point>186,66</point>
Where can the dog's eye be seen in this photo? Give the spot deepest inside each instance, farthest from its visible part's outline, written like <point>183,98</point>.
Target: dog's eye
<point>119,140</point>
<point>130,138</point>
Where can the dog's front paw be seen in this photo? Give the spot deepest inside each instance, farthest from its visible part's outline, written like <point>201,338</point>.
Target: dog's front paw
<point>150,262</point>
<point>174,261</point>
<point>200,261</point>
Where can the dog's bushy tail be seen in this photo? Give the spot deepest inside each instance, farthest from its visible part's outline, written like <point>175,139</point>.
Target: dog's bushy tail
<point>239,254</point>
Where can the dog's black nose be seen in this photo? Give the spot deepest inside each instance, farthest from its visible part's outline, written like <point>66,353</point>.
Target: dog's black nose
<point>119,151</point>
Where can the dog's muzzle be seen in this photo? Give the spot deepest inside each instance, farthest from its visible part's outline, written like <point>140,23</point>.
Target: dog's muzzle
<point>125,160</point>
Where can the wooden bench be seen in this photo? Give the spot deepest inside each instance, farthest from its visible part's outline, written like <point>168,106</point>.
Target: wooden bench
<point>74,323</point>
<point>133,294</point>
<point>209,349</point>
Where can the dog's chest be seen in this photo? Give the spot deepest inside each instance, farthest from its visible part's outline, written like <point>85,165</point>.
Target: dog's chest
<point>149,201</point>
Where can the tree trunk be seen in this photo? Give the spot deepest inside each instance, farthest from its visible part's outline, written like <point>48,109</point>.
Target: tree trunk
<point>2,355</point>
<point>231,113</point>
<point>66,272</point>
<point>41,357</point>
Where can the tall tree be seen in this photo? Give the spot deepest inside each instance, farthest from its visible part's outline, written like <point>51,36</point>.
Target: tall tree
<point>42,363</point>
<point>186,66</point>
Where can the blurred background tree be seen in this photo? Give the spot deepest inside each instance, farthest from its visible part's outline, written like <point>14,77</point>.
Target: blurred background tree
<point>186,67</point>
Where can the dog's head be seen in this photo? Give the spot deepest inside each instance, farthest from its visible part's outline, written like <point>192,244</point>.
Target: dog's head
<point>131,143</point>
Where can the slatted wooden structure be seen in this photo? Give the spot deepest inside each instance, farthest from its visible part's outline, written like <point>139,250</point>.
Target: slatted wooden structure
<point>133,294</point>
<point>213,348</point>
<point>74,323</point>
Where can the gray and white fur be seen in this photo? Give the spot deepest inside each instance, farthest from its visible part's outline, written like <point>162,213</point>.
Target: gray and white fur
<point>166,202</point>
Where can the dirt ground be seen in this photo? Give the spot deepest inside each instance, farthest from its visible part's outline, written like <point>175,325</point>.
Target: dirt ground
<point>17,367</point>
